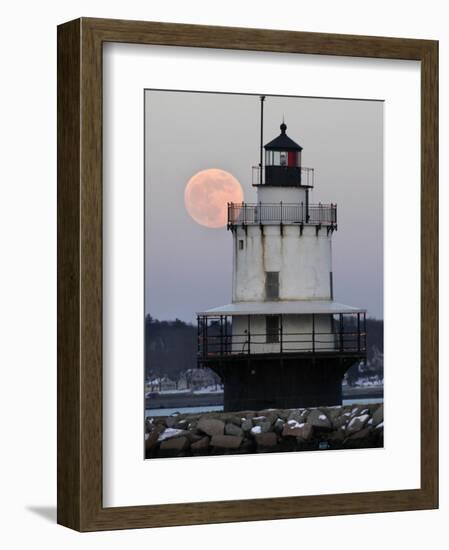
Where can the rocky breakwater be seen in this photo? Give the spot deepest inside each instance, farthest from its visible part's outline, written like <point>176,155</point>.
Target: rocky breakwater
<point>347,427</point>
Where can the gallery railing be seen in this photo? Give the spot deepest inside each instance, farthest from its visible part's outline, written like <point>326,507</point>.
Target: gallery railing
<point>282,213</point>
<point>217,339</point>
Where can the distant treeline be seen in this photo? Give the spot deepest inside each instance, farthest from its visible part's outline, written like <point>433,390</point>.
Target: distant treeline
<point>374,366</point>
<point>171,348</point>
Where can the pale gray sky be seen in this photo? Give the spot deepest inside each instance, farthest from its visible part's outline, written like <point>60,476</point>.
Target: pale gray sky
<point>188,267</point>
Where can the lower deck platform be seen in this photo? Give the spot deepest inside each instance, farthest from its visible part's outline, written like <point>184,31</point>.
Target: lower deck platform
<point>264,382</point>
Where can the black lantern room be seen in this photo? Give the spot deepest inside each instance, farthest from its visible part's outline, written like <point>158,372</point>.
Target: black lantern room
<point>283,161</point>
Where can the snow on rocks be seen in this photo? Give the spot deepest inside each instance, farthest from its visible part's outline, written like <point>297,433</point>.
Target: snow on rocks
<point>357,423</point>
<point>319,420</point>
<point>169,433</point>
<point>255,430</point>
<point>351,426</point>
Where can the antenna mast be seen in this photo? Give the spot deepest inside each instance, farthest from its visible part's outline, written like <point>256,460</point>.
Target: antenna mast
<point>262,99</point>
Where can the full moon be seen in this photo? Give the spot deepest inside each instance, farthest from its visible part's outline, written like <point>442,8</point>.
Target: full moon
<point>207,194</point>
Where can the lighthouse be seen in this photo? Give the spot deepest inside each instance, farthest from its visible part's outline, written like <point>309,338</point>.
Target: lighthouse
<point>283,342</point>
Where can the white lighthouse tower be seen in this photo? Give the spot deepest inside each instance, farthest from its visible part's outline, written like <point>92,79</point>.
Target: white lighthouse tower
<point>283,341</point>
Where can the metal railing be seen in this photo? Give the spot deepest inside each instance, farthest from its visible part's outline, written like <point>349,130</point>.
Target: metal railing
<point>263,213</point>
<point>305,177</point>
<point>217,339</point>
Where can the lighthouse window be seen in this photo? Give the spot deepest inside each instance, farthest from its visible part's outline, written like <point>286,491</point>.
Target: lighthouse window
<point>272,329</point>
<point>240,244</point>
<point>272,285</point>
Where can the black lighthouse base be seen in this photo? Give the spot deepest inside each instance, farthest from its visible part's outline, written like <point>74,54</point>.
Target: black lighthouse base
<point>263,383</point>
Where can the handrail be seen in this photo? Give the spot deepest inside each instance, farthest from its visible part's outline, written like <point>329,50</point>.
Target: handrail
<point>287,342</point>
<point>346,334</point>
<point>282,213</point>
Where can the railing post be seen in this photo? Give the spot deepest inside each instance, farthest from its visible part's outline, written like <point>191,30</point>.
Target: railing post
<point>358,331</point>
<point>307,205</point>
<point>313,332</point>
<point>341,332</point>
<point>199,350</point>
<point>281,334</point>
<point>226,335</point>
<point>221,335</point>
<point>249,336</point>
<point>364,330</point>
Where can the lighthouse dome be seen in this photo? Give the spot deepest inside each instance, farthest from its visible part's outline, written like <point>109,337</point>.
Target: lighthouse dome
<point>282,142</point>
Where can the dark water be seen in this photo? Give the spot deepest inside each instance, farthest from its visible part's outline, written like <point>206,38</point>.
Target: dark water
<point>219,408</point>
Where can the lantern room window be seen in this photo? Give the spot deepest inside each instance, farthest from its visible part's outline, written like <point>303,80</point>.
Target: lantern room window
<point>283,158</point>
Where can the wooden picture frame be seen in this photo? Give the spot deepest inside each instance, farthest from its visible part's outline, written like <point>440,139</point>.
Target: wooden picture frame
<point>80,504</point>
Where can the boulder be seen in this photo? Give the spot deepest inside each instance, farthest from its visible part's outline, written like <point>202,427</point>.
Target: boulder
<point>236,420</point>
<point>356,424</point>
<point>171,433</point>
<point>264,426</point>
<point>149,426</point>
<point>319,420</point>
<point>248,446</point>
<point>358,410</point>
<point>293,430</point>
<point>194,437</point>
<point>264,421</point>
<point>226,441</point>
<point>278,425</point>
<point>340,421</point>
<point>201,445</point>
<point>256,430</point>
<point>305,433</point>
<point>361,434</point>
<point>151,439</point>
<point>247,424</point>
<point>170,421</point>
<point>270,414</point>
<point>232,429</point>
<point>182,424</point>
<point>337,436</point>
<point>211,426</point>
<point>266,440</point>
<point>378,415</point>
<point>299,415</point>
<point>335,412</point>
<point>173,447</point>
<point>159,423</point>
